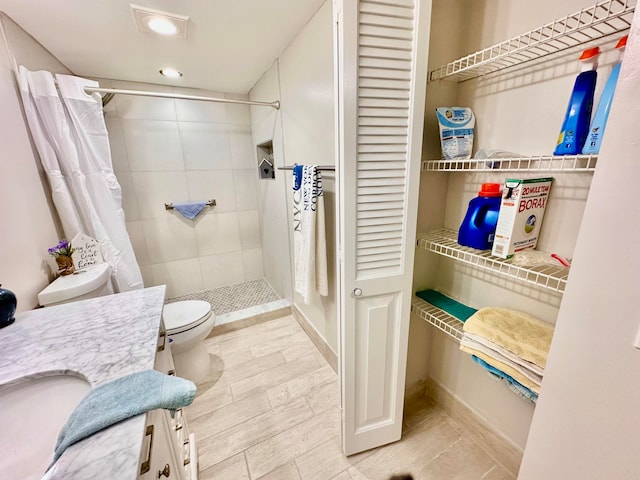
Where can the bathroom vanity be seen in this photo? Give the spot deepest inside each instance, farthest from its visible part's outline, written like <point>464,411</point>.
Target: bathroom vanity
<point>99,340</point>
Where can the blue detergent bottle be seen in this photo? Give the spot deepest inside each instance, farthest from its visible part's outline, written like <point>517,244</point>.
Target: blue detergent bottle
<point>576,121</point>
<point>596,131</point>
<point>479,225</point>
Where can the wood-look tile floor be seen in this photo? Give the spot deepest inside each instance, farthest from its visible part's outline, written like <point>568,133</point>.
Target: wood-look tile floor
<point>270,410</point>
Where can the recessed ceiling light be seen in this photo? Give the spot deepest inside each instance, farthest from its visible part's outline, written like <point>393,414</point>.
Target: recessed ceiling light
<point>161,25</point>
<point>170,72</point>
<point>148,20</point>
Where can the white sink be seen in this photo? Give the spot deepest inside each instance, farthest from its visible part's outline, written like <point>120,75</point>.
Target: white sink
<point>34,411</point>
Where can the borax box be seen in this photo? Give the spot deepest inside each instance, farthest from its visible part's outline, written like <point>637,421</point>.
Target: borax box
<point>520,217</point>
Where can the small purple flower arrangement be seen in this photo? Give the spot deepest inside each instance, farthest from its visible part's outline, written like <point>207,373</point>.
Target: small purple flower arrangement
<point>63,248</point>
<point>62,253</point>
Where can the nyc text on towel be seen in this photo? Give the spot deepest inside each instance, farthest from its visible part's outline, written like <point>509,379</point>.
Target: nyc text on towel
<point>309,240</point>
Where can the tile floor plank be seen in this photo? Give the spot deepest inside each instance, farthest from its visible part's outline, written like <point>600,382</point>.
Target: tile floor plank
<point>300,385</point>
<point>225,417</point>
<point>290,444</point>
<point>274,376</point>
<point>236,439</point>
<point>232,468</point>
<point>270,409</point>
<point>288,471</point>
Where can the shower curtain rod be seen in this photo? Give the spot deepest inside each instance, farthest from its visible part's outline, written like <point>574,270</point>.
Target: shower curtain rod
<point>89,90</point>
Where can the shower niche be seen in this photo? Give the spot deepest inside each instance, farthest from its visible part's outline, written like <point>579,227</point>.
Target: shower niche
<point>265,161</point>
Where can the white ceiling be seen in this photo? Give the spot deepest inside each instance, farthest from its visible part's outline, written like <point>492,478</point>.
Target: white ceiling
<point>230,43</point>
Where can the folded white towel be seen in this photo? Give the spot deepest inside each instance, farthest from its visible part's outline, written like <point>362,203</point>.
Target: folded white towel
<point>524,376</point>
<point>506,353</point>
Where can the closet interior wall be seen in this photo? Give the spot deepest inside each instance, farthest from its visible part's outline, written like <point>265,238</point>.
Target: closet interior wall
<point>518,110</point>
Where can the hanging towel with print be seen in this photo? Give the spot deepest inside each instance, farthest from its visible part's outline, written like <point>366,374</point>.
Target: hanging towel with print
<point>309,240</point>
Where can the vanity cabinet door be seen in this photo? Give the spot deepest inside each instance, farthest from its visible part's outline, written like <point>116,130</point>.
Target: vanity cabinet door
<point>161,455</point>
<point>164,359</point>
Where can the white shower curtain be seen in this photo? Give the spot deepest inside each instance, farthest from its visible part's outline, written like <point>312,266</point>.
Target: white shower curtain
<point>71,137</point>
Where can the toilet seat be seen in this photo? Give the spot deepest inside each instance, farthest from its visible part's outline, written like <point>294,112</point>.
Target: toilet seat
<point>185,315</point>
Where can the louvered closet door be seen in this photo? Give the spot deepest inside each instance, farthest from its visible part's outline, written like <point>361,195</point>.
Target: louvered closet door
<point>382,58</point>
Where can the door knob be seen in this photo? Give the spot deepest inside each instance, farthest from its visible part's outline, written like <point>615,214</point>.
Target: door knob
<point>357,292</point>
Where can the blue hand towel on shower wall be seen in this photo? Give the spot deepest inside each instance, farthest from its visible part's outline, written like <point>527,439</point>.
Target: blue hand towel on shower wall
<point>190,210</point>
<point>120,399</point>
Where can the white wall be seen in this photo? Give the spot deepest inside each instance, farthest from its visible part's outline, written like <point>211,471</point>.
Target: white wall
<point>302,132</point>
<point>167,150</point>
<point>517,110</point>
<point>586,422</point>
<point>28,222</point>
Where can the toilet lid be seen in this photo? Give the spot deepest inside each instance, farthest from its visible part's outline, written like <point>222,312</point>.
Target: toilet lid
<point>180,316</point>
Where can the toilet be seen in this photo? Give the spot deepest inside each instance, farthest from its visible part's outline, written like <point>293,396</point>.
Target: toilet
<point>94,281</point>
<point>188,323</point>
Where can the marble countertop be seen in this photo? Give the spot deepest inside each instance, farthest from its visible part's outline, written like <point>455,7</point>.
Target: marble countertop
<point>100,339</point>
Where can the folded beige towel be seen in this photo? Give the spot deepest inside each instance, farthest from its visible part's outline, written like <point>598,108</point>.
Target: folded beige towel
<point>517,332</point>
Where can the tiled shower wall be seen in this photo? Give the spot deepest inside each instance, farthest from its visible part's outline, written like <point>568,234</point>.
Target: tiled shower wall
<point>167,150</point>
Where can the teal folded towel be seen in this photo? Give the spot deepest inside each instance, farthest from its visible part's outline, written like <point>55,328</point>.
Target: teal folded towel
<point>120,399</point>
<point>449,305</point>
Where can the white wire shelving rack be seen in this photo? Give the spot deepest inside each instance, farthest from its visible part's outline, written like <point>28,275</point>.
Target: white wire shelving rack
<point>444,242</point>
<point>567,163</point>
<point>438,318</point>
<point>589,24</point>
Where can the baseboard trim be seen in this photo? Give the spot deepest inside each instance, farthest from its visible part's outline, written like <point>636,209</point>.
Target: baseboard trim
<point>250,321</point>
<point>324,348</point>
<point>501,449</point>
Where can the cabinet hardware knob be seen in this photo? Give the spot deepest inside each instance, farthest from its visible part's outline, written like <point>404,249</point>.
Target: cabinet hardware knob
<point>146,465</point>
<point>171,372</point>
<point>163,336</point>
<point>357,292</point>
<point>165,472</point>
<point>178,426</point>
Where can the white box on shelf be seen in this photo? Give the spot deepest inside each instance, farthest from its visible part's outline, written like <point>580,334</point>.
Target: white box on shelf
<point>521,213</point>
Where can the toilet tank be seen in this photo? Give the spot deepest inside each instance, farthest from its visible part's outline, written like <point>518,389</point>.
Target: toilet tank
<point>94,281</point>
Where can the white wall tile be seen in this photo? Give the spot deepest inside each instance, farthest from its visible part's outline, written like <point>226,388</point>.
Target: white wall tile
<point>116,145</point>
<point>218,185</point>
<point>265,90</point>
<point>180,277</point>
<point>218,233</point>
<point>152,145</point>
<point>221,270</point>
<point>253,264</point>
<point>205,146</point>
<point>199,111</point>
<point>147,275</point>
<point>171,238</point>
<point>246,189</point>
<point>249,223</point>
<point>144,108</point>
<point>242,148</point>
<point>154,189</point>
<point>238,114</point>
<point>129,200</point>
<point>137,236</point>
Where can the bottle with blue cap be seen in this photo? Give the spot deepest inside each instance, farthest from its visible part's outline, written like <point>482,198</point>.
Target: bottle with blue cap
<point>578,116</point>
<point>478,228</point>
<point>596,131</point>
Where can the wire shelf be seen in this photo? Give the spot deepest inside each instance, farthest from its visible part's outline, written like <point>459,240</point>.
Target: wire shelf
<point>566,163</point>
<point>444,242</point>
<point>438,318</point>
<point>589,24</point>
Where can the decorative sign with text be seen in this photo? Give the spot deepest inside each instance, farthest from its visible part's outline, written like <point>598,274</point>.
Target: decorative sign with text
<point>87,251</point>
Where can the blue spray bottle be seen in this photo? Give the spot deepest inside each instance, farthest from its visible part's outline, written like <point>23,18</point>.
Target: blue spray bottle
<point>594,137</point>
<point>576,121</point>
